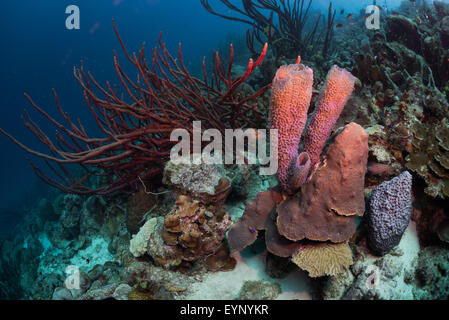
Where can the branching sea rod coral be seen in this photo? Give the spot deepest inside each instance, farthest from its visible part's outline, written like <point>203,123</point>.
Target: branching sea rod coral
<point>283,24</point>
<point>136,141</point>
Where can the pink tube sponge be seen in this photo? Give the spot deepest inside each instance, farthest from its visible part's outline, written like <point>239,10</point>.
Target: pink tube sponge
<point>290,100</point>
<point>334,95</point>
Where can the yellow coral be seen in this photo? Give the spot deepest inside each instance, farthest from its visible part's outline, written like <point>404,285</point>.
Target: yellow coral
<point>324,259</point>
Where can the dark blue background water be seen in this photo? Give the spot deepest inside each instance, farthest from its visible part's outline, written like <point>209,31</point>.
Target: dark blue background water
<point>38,53</point>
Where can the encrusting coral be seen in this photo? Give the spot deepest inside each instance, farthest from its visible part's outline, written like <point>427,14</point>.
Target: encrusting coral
<point>194,229</point>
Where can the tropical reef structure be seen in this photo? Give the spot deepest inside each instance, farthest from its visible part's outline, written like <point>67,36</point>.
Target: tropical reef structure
<point>358,208</point>
<point>195,228</point>
<point>331,192</point>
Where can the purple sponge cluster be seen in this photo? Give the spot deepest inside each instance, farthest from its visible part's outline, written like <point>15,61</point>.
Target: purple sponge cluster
<point>389,214</point>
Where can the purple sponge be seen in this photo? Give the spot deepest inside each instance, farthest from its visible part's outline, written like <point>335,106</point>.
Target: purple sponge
<point>389,214</point>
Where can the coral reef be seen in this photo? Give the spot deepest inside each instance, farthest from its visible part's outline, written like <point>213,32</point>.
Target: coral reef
<point>140,227</point>
<point>326,204</point>
<point>136,140</point>
<point>195,228</point>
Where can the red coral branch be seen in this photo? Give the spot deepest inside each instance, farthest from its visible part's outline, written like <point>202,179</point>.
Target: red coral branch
<point>135,143</point>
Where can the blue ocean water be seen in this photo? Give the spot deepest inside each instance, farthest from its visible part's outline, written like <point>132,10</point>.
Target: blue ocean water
<point>38,54</point>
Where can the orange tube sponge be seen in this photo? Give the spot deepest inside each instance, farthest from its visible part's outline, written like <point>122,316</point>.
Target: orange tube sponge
<point>334,95</point>
<point>290,100</point>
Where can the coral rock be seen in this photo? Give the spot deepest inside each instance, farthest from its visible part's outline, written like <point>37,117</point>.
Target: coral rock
<point>389,214</point>
<point>203,182</point>
<point>61,293</point>
<point>139,242</point>
<point>403,30</point>
<point>429,156</point>
<point>221,260</point>
<point>188,233</point>
<point>259,290</point>
<point>149,241</point>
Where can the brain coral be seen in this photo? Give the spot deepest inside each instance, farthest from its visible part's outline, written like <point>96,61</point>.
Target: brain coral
<point>389,214</point>
<point>324,259</point>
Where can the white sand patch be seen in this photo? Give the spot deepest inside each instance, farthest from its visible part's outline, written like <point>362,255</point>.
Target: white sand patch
<point>397,264</point>
<point>96,253</point>
<point>409,245</point>
<point>227,285</point>
<point>404,263</point>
